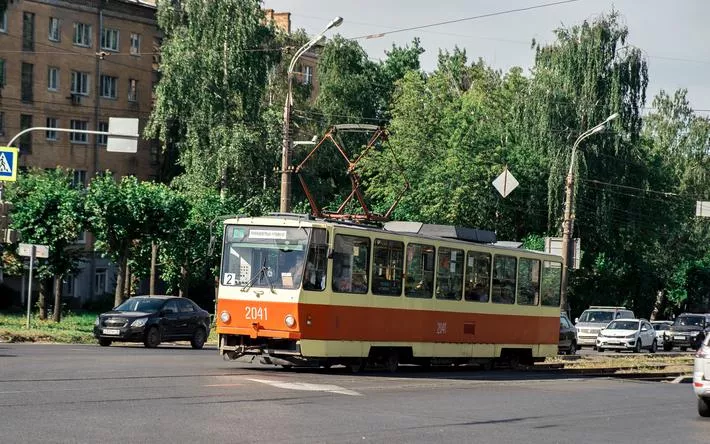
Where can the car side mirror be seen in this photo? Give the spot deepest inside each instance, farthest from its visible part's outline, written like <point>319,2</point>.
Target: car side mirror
<point>576,320</point>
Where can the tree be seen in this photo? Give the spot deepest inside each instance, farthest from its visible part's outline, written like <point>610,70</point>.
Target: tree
<point>214,64</point>
<point>127,214</point>
<point>49,211</point>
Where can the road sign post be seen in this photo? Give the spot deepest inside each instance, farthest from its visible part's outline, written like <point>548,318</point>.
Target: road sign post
<point>33,251</point>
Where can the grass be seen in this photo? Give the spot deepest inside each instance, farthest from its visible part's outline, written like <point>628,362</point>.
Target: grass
<point>642,363</point>
<point>73,329</point>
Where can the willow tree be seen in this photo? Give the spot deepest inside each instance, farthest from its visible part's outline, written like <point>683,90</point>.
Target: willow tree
<point>587,74</point>
<point>215,59</point>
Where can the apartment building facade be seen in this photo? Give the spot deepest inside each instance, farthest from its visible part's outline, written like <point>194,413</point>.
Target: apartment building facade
<point>73,64</point>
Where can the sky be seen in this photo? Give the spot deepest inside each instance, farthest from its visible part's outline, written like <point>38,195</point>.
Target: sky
<point>673,33</point>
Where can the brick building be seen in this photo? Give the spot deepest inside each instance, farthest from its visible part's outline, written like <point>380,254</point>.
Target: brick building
<point>73,64</point>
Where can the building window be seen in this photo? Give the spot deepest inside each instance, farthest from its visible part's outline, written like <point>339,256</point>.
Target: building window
<point>82,34</point>
<point>79,181</point>
<point>53,78</point>
<point>478,277</point>
<point>529,282</point>
<point>100,282</point>
<point>2,73</point>
<point>135,43</point>
<point>28,31</point>
<point>2,123</point>
<point>504,270</point>
<point>387,267</point>
<point>351,264</point>
<point>68,286</point>
<point>307,75</point>
<point>81,238</point>
<point>26,139</point>
<point>102,139</point>
<point>27,82</point>
<point>109,39</point>
<point>80,83</point>
<point>132,90</point>
<point>79,125</point>
<point>108,87</point>
<point>51,123</point>
<point>419,282</point>
<point>54,29</point>
<point>3,22</point>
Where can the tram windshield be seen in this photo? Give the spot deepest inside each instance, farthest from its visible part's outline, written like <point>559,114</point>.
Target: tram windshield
<point>259,256</point>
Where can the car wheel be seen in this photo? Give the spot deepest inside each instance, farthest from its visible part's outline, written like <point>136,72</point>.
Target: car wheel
<point>104,342</point>
<point>572,349</point>
<point>667,346</point>
<point>198,338</point>
<point>654,346</point>
<point>639,346</point>
<point>684,349</point>
<point>703,408</point>
<point>152,338</point>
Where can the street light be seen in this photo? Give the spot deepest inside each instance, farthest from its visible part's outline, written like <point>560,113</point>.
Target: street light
<point>285,204</point>
<point>567,223</point>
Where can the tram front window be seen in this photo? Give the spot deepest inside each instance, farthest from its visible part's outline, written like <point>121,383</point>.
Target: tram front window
<point>264,256</point>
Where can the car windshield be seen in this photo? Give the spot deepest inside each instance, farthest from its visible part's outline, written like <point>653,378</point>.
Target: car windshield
<point>623,325</point>
<point>661,326</point>
<point>596,316</point>
<point>696,321</point>
<point>144,305</point>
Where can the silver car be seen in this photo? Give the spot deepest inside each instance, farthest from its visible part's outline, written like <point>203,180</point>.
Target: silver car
<point>628,334</point>
<point>701,378</point>
<point>662,332</point>
<point>595,318</point>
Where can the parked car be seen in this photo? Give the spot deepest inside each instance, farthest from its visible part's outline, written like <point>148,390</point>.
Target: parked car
<point>593,319</point>
<point>152,320</point>
<point>628,334</point>
<point>661,328</point>
<point>688,330</point>
<point>701,378</point>
<point>568,336</point>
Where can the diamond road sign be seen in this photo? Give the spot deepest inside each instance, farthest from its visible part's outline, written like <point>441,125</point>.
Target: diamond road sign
<point>8,163</point>
<point>505,183</point>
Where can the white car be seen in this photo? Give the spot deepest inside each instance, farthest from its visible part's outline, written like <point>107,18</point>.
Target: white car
<point>701,378</point>
<point>628,334</point>
<point>662,332</point>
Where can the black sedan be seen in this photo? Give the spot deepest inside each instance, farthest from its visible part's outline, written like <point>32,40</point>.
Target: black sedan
<point>153,319</point>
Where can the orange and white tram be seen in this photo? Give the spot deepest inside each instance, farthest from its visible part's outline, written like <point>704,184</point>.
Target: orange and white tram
<point>294,290</point>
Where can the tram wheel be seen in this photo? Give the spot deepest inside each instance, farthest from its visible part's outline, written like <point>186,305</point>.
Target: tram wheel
<point>358,365</point>
<point>392,363</point>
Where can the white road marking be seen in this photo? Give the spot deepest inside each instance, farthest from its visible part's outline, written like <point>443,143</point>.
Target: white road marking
<point>305,386</point>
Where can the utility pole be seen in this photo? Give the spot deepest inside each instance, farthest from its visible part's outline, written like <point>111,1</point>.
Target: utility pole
<point>286,169</point>
<point>567,222</point>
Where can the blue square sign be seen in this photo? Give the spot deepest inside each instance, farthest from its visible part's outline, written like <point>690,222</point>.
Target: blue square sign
<point>8,163</point>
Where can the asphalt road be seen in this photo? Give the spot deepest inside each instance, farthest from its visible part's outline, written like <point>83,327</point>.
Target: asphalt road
<point>90,394</point>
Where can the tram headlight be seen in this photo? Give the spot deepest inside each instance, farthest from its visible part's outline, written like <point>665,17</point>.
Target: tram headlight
<point>290,321</point>
<point>224,317</point>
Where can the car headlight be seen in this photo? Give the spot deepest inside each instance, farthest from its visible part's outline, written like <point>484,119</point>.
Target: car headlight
<point>632,335</point>
<point>139,322</point>
<point>694,333</point>
<point>96,321</point>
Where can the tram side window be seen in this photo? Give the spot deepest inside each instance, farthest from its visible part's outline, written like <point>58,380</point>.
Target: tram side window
<point>317,261</point>
<point>351,262</point>
<point>449,274</point>
<point>529,282</point>
<point>419,282</point>
<point>551,283</point>
<point>504,269</point>
<point>388,265</point>
<point>478,276</point>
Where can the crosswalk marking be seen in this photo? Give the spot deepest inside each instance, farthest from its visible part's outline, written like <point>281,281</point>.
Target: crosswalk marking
<point>305,386</point>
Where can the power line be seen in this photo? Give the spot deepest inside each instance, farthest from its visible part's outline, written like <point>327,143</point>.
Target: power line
<point>475,17</point>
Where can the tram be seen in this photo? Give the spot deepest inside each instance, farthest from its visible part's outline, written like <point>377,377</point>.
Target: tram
<point>299,291</point>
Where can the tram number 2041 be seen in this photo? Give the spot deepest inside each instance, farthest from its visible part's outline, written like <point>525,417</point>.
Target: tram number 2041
<point>256,313</point>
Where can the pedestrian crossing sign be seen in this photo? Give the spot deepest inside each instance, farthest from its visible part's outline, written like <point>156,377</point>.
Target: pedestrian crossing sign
<point>8,163</point>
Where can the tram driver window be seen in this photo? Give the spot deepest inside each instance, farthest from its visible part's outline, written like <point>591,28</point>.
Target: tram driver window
<point>419,280</point>
<point>317,261</point>
<point>449,274</point>
<point>504,270</point>
<point>388,265</point>
<point>529,282</point>
<point>351,264</point>
<point>551,283</point>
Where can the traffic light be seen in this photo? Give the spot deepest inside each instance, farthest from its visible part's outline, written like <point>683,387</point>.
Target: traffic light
<point>7,235</point>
